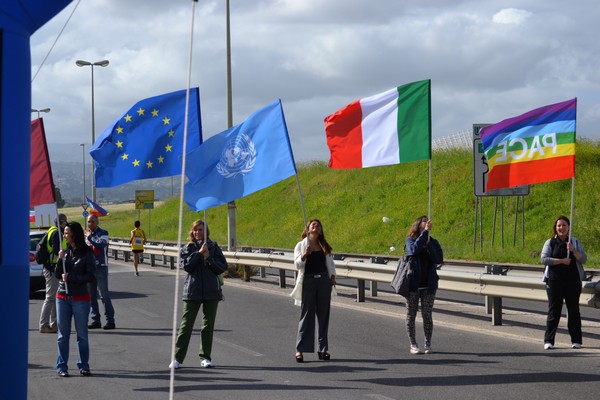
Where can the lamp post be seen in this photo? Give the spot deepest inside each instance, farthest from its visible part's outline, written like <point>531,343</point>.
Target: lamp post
<point>83,169</point>
<point>43,110</point>
<point>82,63</point>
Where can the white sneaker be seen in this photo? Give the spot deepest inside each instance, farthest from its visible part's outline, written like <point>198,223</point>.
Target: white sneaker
<point>428,349</point>
<point>548,346</point>
<point>174,364</point>
<point>576,346</point>
<point>206,363</point>
<point>415,350</point>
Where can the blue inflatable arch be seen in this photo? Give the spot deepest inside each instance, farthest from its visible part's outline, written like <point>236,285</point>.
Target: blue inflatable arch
<point>19,19</point>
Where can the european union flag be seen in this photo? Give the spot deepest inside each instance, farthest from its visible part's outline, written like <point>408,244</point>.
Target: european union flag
<point>147,141</point>
<point>241,160</point>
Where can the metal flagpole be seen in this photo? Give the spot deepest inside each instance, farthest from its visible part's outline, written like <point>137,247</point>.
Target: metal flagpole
<point>231,207</point>
<point>183,161</point>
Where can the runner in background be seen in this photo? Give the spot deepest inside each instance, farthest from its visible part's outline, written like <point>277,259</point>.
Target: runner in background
<point>138,240</point>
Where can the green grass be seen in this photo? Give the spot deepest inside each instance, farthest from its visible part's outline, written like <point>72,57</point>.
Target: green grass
<point>352,203</point>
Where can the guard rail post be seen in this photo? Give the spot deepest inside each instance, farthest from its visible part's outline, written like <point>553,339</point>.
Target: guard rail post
<point>373,288</point>
<point>152,260</point>
<point>360,290</point>
<point>493,303</point>
<point>282,278</point>
<point>373,284</point>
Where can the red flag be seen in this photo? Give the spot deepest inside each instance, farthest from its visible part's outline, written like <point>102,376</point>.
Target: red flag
<point>41,185</point>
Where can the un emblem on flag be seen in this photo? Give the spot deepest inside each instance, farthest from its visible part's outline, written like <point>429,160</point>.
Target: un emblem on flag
<point>238,157</point>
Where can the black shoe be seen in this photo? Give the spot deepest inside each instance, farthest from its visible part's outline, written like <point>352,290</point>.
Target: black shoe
<point>85,372</point>
<point>95,325</point>
<point>299,357</point>
<point>63,374</point>
<point>109,325</point>
<point>325,356</point>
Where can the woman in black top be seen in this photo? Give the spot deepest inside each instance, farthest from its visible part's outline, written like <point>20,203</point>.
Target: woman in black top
<point>74,270</point>
<point>563,257</point>
<point>316,279</point>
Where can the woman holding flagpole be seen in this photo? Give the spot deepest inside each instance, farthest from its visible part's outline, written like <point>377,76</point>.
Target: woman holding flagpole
<point>564,256</point>
<point>314,285</point>
<point>203,260</point>
<point>426,255</point>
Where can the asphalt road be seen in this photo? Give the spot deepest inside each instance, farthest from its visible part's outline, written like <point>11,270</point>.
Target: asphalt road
<point>253,351</point>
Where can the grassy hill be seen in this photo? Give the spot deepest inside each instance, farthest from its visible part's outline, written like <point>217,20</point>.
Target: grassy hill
<point>352,203</point>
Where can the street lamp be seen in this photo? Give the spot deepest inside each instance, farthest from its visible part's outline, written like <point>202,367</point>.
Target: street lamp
<point>83,161</point>
<point>82,63</point>
<point>44,110</point>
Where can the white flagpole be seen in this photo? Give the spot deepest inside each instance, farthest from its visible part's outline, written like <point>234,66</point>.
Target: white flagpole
<point>429,206</point>
<point>301,199</point>
<point>572,207</point>
<point>179,234</point>
<point>60,240</point>
<point>205,227</point>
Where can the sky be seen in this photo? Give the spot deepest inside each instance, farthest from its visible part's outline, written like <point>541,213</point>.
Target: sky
<point>487,60</point>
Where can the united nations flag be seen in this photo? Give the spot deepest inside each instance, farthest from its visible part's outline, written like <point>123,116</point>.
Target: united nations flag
<point>241,160</point>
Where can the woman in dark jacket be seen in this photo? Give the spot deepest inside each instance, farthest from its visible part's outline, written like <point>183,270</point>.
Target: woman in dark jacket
<point>563,256</point>
<point>426,255</point>
<point>74,270</point>
<point>204,261</point>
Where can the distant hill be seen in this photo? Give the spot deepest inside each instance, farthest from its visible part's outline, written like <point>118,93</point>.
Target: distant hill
<point>68,177</point>
<point>352,205</point>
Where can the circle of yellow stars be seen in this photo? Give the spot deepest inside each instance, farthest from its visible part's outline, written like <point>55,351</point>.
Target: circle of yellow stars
<point>168,148</point>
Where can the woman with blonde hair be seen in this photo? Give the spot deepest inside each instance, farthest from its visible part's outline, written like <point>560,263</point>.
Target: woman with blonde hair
<point>203,260</point>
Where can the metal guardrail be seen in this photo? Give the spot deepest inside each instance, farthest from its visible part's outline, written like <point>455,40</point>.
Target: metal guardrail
<point>471,278</point>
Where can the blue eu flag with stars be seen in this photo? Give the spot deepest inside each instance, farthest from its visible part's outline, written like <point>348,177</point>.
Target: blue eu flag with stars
<point>147,140</point>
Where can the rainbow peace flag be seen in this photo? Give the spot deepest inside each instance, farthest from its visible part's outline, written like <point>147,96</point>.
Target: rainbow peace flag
<point>95,208</point>
<point>535,147</point>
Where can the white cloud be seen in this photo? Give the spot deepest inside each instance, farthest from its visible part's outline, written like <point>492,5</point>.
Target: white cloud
<point>511,16</point>
<point>319,55</point>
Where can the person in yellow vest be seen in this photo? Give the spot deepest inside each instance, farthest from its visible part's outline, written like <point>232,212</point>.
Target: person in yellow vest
<point>138,240</point>
<point>53,243</point>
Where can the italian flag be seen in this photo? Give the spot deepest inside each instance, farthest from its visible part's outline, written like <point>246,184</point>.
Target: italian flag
<point>385,129</point>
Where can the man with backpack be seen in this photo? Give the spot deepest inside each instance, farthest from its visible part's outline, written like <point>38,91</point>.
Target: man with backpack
<point>52,242</point>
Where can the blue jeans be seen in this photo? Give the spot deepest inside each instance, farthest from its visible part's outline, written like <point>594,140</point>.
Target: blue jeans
<point>100,285</point>
<point>78,310</point>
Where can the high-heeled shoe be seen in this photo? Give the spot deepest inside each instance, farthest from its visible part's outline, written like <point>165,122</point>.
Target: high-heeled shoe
<point>299,357</point>
<point>325,356</point>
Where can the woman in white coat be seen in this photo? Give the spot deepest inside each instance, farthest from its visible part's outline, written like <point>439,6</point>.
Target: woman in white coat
<point>316,279</point>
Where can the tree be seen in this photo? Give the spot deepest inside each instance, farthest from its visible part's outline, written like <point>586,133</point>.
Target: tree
<point>60,203</point>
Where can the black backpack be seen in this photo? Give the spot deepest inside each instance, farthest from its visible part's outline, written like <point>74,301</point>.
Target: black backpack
<point>42,255</point>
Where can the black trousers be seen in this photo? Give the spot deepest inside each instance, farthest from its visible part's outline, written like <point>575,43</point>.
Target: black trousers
<point>316,302</point>
<point>570,292</point>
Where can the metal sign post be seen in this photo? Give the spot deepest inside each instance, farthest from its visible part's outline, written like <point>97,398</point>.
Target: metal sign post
<point>480,176</point>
